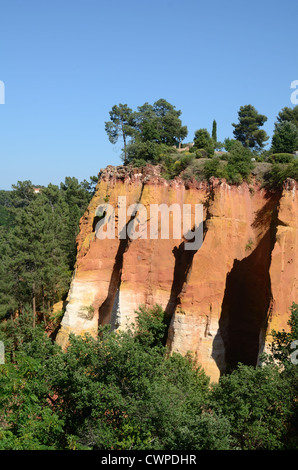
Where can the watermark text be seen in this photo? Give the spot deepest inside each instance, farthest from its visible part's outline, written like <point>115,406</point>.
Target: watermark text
<point>163,221</point>
<point>294,94</point>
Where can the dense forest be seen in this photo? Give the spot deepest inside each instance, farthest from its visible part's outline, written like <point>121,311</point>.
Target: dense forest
<point>123,391</point>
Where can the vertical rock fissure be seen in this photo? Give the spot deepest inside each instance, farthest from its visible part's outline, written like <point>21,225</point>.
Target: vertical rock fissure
<point>248,297</point>
<point>183,264</point>
<point>105,310</point>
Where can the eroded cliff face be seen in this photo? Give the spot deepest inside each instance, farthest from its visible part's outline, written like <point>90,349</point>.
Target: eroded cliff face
<point>222,299</point>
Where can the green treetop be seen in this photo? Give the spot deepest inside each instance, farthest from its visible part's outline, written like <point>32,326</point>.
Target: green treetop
<point>248,131</point>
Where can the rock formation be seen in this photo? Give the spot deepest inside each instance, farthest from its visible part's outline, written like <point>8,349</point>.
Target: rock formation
<point>223,298</point>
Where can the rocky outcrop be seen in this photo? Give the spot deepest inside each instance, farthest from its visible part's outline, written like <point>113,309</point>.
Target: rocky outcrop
<point>223,298</point>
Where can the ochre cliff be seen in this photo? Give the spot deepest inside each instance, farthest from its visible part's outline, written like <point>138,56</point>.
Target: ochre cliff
<point>223,299</point>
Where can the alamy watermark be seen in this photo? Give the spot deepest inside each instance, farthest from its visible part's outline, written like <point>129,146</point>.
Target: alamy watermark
<point>2,92</point>
<point>137,222</point>
<point>294,94</point>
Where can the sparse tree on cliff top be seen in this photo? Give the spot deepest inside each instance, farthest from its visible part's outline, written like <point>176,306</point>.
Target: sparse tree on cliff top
<point>120,125</point>
<point>248,131</point>
<point>146,131</point>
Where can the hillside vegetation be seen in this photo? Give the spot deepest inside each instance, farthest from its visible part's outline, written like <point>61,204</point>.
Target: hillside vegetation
<point>155,134</point>
<point>122,390</point>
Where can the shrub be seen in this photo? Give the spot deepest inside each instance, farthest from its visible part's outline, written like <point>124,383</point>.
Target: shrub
<point>211,167</point>
<point>240,165</point>
<point>203,140</point>
<point>281,158</point>
<point>280,172</point>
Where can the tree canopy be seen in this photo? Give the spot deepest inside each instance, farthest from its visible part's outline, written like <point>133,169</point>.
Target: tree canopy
<point>247,130</point>
<point>148,131</point>
<point>38,247</point>
<point>285,137</point>
<point>289,115</point>
<point>122,390</point>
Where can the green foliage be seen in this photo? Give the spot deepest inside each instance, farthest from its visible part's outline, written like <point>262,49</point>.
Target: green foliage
<point>28,421</point>
<point>122,390</point>
<point>281,158</point>
<point>249,245</point>
<point>214,131</point>
<point>280,172</point>
<point>285,137</point>
<point>248,131</point>
<point>38,247</point>
<point>5,218</point>
<point>239,164</point>
<point>140,153</point>
<point>237,169</point>
<point>258,404</point>
<point>160,123</point>
<point>203,140</point>
<point>175,164</point>
<point>288,115</point>
<point>228,144</point>
<point>151,326</point>
<point>121,124</point>
<point>281,345</point>
<point>212,168</point>
<point>147,133</point>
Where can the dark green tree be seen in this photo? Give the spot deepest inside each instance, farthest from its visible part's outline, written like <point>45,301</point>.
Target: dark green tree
<point>147,133</point>
<point>159,123</point>
<point>203,141</point>
<point>239,164</point>
<point>214,131</point>
<point>248,131</point>
<point>38,248</point>
<point>5,203</point>
<point>258,404</point>
<point>228,143</point>
<point>285,137</point>
<point>121,124</point>
<point>289,115</point>
<point>39,265</point>
<point>77,198</point>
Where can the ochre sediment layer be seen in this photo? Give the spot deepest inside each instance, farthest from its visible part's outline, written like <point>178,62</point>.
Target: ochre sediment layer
<point>223,299</point>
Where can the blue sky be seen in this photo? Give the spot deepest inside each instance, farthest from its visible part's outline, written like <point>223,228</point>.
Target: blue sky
<point>65,63</point>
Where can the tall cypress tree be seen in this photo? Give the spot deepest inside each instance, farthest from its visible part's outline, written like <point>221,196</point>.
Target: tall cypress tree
<point>214,131</point>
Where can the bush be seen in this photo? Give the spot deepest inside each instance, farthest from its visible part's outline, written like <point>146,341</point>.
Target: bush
<point>203,140</point>
<point>238,168</point>
<point>281,158</point>
<point>258,403</point>
<point>240,165</point>
<point>211,167</point>
<point>150,152</point>
<point>280,172</point>
<point>202,153</point>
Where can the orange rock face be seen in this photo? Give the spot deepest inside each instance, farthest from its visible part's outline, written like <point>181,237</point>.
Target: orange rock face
<point>223,298</point>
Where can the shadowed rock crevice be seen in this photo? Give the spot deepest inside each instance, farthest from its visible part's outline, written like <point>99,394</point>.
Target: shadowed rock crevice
<point>183,264</point>
<point>248,298</point>
<point>106,308</point>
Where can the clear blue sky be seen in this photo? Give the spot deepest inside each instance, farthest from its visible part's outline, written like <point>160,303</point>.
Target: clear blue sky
<point>65,63</point>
